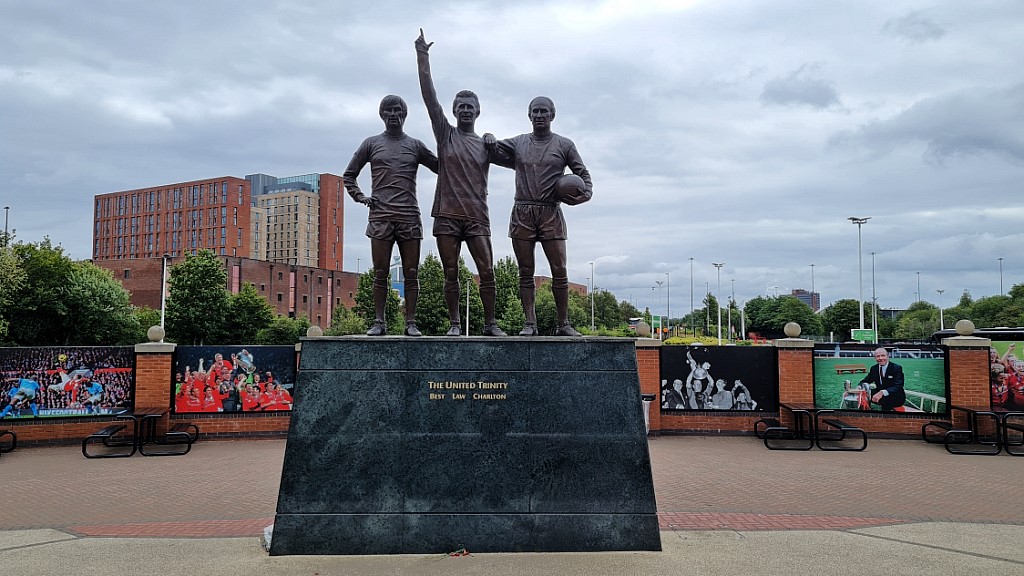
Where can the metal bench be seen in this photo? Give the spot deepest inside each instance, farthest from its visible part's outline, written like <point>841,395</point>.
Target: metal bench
<point>778,437</point>
<point>837,439</point>
<point>14,441</point>
<point>181,434</point>
<point>1019,428</point>
<point>110,439</point>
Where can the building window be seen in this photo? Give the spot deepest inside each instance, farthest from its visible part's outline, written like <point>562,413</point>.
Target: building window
<point>263,287</point>
<point>127,273</point>
<point>279,297</point>
<point>305,299</point>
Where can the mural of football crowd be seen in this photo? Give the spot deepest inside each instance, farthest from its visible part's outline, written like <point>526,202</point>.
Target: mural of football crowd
<point>51,382</point>
<point>233,379</point>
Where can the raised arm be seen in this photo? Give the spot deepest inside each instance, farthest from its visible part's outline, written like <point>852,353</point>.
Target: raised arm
<point>434,110</point>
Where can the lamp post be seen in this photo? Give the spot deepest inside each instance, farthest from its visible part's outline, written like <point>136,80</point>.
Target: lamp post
<point>692,325</point>
<point>660,283</point>
<point>860,266</point>
<point>1000,273</point>
<point>163,289</point>
<point>7,210</point>
<point>707,309</point>
<point>358,265</point>
<point>942,323</point>
<point>918,286</point>
<point>813,307</point>
<point>718,296</point>
<point>668,300</point>
<point>732,300</point>
<point>592,296</point>
<point>874,301</point>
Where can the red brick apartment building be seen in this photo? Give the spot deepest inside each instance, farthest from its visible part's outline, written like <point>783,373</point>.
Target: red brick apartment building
<point>284,235</point>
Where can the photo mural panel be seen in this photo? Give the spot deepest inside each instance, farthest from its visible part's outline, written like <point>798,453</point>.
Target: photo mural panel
<point>1006,375</point>
<point>233,379</point>
<point>851,377</point>
<point>65,381</point>
<point>736,378</point>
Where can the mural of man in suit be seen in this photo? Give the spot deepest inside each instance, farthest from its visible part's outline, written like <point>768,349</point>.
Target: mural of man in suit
<point>886,380</point>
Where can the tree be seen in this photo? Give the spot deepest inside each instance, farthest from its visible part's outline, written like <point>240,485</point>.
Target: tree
<point>345,321</point>
<point>431,310</point>
<point>197,301</point>
<point>769,316</point>
<point>919,321</point>
<point>508,308</point>
<point>48,299</point>
<point>248,314</point>
<point>98,311</point>
<point>283,331</point>
<point>840,317</point>
<point>12,278</point>
<point>392,306</point>
<point>993,311</point>
<point>40,318</point>
<point>607,313</point>
<point>147,318</point>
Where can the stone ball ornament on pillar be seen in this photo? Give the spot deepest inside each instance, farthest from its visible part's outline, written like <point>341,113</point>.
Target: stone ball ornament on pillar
<point>314,332</point>
<point>964,327</point>
<point>792,330</point>
<point>155,333</point>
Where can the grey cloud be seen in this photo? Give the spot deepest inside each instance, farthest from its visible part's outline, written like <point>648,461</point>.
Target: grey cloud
<point>964,123</point>
<point>914,28</point>
<point>803,86</point>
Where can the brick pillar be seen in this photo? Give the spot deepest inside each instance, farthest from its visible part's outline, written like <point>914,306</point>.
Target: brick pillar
<point>153,374</point>
<point>968,374</point>
<point>648,361</point>
<point>796,373</point>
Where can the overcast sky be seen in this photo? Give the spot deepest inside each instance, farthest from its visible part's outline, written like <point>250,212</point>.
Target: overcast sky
<point>735,131</point>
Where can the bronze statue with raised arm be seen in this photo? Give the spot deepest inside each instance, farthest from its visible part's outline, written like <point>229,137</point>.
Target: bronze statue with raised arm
<point>540,159</point>
<point>394,159</point>
<point>460,201</point>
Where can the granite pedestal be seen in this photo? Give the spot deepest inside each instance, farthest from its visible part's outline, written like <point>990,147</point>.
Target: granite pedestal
<point>426,445</point>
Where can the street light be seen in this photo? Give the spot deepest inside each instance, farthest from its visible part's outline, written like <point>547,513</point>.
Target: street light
<point>918,286</point>
<point>7,210</point>
<point>692,325</point>
<point>813,307</point>
<point>942,324</point>
<point>660,283</point>
<point>592,296</point>
<point>718,296</point>
<point>860,266</point>
<point>668,300</point>
<point>1000,272</point>
<point>163,289</point>
<point>874,301</point>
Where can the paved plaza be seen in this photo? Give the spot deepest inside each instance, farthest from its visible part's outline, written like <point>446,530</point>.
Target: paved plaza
<point>726,506</point>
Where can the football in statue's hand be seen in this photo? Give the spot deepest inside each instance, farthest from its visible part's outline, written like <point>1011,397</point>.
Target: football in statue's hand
<point>572,190</point>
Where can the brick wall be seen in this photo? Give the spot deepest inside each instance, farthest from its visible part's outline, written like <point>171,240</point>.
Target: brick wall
<point>968,387</point>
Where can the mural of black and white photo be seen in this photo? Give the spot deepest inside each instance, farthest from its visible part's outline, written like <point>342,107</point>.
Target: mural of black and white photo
<point>233,378</point>
<point>737,378</point>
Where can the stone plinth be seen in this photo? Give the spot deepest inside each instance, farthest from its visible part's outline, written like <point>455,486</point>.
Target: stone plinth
<point>426,445</point>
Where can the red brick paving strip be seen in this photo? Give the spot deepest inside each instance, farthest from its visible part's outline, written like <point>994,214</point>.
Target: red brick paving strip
<point>747,522</point>
<point>201,529</point>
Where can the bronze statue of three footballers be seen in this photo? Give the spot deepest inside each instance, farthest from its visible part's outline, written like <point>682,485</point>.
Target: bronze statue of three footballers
<point>460,214</point>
